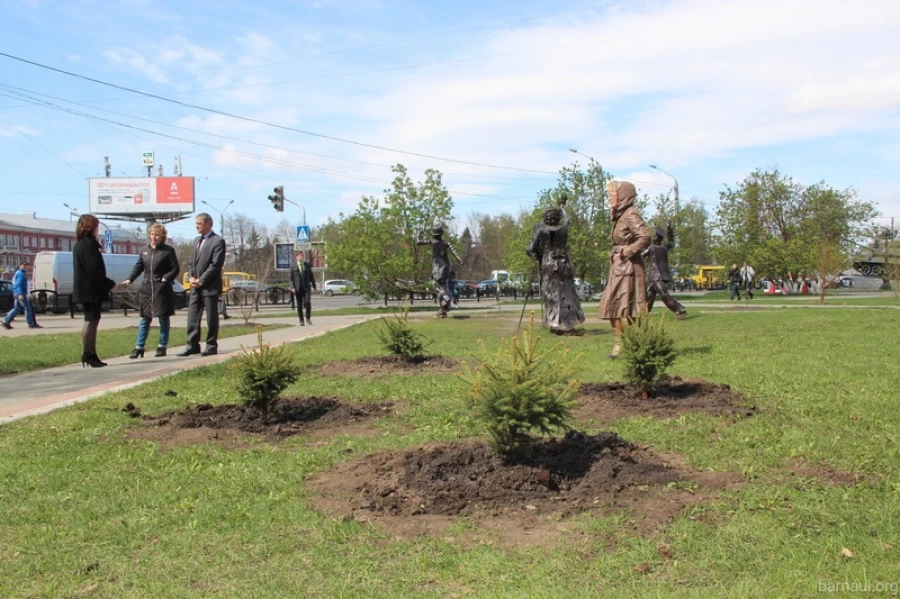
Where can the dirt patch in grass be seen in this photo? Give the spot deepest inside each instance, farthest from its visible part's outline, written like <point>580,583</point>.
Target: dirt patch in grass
<point>605,402</point>
<point>528,499</point>
<point>291,416</point>
<point>828,475</point>
<point>388,365</point>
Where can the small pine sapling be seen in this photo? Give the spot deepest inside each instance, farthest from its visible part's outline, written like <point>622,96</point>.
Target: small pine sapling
<point>648,350</point>
<point>399,338</point>
<point>261,374</point>
<point>519,390</point>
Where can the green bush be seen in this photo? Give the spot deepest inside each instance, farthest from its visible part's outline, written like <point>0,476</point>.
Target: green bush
<point>261,374</point>
<point>520,390</point>
<point>399,338</point>
<point>648,349</point>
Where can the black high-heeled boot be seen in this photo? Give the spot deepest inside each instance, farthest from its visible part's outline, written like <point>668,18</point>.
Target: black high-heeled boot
<point>85,358</point>
<point>93,360</point>
<point>138,352</point>
<point>160,352</point>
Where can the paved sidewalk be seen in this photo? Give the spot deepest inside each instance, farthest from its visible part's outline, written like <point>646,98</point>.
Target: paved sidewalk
<point>42,391</point>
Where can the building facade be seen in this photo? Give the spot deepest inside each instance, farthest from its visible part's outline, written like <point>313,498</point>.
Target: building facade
<point>24,235</point>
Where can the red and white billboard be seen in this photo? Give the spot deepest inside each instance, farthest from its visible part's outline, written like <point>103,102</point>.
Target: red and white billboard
<point>147,195</point>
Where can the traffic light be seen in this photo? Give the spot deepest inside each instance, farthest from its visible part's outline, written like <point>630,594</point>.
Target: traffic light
<point>277,198</point>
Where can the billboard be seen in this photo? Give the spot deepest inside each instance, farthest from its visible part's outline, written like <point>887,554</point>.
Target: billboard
<point>145,195</point>
<point>284,256</point>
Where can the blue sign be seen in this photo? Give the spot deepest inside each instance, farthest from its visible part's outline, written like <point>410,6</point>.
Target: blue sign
<point>303,233</point>
<point>109,243</point>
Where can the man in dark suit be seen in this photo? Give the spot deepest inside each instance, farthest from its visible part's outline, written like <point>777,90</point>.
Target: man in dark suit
<point>205,272</point>
<point>302,283</point>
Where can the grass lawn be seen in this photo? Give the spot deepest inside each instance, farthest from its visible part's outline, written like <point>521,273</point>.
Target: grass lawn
<point>87,512</point>
<point>37,352</point>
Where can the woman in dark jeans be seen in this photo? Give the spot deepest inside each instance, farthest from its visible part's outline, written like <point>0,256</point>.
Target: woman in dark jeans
<point>91,285</point>
<point>159,264</point>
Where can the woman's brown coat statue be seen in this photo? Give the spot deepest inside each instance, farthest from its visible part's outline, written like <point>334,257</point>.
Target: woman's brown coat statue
<point>624,296</point>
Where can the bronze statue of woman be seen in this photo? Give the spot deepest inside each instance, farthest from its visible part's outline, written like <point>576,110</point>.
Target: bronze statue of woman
<point>625,295</point>
<point>561,306</point>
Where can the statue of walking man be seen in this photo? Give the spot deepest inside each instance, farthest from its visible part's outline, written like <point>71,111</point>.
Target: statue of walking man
<point>658,273</point>
<point>440,267</point>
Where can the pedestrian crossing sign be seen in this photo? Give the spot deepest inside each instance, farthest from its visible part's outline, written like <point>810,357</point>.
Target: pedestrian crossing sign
<point>302,233</point>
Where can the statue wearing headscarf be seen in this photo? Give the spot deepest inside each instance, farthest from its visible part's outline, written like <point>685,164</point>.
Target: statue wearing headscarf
<point>624,296</point>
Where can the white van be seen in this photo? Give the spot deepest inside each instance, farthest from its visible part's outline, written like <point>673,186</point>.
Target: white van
<point>52,281</point>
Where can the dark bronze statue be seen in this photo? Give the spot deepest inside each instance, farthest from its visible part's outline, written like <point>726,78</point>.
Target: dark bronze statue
<point>441,271</point>
<point>658,273</point>
<point>559,300</point>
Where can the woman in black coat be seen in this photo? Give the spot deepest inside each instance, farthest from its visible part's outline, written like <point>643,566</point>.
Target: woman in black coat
<point>91,285</point>
<point>159,264</point>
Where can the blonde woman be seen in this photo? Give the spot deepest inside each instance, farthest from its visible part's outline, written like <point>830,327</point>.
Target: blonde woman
<point>159,264</point>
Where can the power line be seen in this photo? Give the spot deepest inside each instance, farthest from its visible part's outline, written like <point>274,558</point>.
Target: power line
<point>22,94</point>
<point>43,147</point>
<point>266,123</point>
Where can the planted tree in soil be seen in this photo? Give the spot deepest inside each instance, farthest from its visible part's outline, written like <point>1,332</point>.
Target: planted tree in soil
<point>261,374</point>
<point>521,390</point>
<point>648,350</point>
<point>399,338</point>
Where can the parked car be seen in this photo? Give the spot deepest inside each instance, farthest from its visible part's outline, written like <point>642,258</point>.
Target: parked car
<point>465,288</point>
<point>489,287</point>
<point>337,286</point>
<point>6,297</point>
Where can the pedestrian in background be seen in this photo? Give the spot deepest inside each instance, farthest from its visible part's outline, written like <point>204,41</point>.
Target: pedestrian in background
<point>205,278</point>
<point>302,283</point>
<point>734,278</point>
<point>21,301</point>
<point>747,274</point>
<point>91,286</point>
<point>159,264</point>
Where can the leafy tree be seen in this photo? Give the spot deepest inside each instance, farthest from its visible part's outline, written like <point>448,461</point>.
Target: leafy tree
<point>375,245</point>
<point>589,222</point>
<point>690,223</point>
<point>779,225</point>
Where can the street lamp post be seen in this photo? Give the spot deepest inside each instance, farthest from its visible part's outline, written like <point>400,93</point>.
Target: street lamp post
<point>677,204</point>
<point>574,151</point>
<point>72,211</point>
<point>220,212</point>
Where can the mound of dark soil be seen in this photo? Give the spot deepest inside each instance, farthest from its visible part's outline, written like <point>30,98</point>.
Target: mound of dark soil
<point>549,479</point>
<point>384,365</point>
<point>289,417</point>
<point>605,402</point>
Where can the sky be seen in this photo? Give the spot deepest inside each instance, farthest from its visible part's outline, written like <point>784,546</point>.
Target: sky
<point>323,97</point>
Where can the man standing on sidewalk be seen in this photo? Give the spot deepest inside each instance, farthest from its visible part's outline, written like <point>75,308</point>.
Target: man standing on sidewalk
<point>205,277</point>
<point>20,295</point>
<point>302,284</point>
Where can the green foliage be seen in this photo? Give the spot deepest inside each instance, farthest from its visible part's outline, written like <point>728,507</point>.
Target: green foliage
<point>589,225</point>
<point>778,225</point>
<point>261,374</point>
<point>519,390</point>
<point>375,246</point>
<point>648,349</point>
<point>399,338</point>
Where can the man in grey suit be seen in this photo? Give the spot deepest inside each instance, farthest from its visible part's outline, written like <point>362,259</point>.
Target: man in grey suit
<point>205,272</point>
